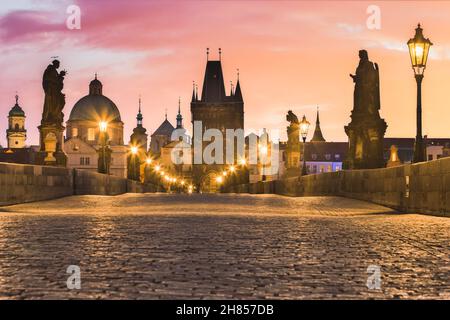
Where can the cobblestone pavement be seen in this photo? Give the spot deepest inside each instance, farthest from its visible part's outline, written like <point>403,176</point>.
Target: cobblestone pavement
<point>154,246</point>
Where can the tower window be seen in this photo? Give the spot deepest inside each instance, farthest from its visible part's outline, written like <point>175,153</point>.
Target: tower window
<point>74,132</point>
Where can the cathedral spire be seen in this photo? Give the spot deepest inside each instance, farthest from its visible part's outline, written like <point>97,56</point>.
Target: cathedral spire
<point>139,116</point>
<point>237,91</point>
<point>193,91</point>
<point>318,136</point>
<point>179,116</point>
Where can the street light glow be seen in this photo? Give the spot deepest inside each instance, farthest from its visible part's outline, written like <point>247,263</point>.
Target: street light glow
<point>219,179</point>
<point>134,150</point>
<point>148,160</point>
<point>103,125</point>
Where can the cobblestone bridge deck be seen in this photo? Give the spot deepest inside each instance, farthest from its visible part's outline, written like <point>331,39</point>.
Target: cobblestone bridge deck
<point>154,246</point>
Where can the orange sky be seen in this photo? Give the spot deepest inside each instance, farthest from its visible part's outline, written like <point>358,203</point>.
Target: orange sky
<point>291,55</point>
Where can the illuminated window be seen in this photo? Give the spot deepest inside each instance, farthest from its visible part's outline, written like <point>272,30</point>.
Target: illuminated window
<point>91,134</point>
<point>74,132</point>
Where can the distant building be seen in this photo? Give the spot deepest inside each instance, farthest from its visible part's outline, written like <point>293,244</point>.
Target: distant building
<point>167,151</point>
<point>139,136</point>
<point>82,132</point>
<point>436,148</point>
<point>16,136</point>
<point>16,133</point>
<point>322,156</point>
<point>216,110</point>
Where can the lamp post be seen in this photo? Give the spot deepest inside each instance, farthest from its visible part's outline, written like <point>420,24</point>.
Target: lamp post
<point>419,47</point>
<point>133,175</point>
<point>104,152</point>
<point>304,127</point>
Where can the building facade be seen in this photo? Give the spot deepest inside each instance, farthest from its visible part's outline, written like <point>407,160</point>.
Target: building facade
<point>83,128</point>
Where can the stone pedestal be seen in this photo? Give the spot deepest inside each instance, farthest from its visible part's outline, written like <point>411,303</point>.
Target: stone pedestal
<point>293,150</point>
<point>365,135</point>
<point>51,141</point>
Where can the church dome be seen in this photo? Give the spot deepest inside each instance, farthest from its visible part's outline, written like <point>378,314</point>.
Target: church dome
<point>95,106</point>
<point>16,111</point>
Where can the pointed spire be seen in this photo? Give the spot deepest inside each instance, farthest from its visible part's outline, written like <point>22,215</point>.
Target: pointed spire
<point>139,103</point>
<point>318,136</point>
<point>96,76</point>
<point>231,92</point>
<point>237,91</point>
<point>166,113</point>
<point>179,116</point>
<point>139,116</point>
<point>193,91</point>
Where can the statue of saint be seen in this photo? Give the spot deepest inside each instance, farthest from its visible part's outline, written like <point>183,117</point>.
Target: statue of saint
<point>366,96</point>
<point>52,83</point>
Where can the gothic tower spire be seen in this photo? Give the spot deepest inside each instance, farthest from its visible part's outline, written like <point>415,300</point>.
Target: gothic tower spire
<point>237,91</point>
<point>318,136</point>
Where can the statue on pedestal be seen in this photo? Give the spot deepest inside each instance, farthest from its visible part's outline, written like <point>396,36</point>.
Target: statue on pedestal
<point>366,130</point>
<point>293,145</point>
<point>51,129</point>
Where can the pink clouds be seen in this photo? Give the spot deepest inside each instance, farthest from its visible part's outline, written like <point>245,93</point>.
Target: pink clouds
<point>24,25</point>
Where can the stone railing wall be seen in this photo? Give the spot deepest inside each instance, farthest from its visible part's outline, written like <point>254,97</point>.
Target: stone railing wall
<point>421,188</point>
<point>26,183</point>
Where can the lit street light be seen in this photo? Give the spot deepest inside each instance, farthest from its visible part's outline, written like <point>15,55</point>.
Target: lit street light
<point>304,127</point>
<point>419,47</point>
<point>104,153</point>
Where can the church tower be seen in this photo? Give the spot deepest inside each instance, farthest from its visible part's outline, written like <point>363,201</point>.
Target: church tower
<point>16,133</point>
<point>318,136</point>
<point>139,136</point>
<point>215,110</point>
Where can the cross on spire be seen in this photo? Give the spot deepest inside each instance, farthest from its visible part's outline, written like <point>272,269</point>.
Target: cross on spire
<point>17,98</point>
<point>207,54</point>
<point>220,54</point>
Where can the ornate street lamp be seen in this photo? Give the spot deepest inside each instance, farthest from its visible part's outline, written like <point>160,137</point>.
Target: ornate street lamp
<point>304,127</point>
<point>104,157</point>
<point>419,47</point>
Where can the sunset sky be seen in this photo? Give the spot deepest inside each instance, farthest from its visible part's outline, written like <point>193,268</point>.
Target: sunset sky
<point>291,55</point>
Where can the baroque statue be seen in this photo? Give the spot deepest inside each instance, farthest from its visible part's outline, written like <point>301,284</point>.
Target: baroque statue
<point>366,130</point>
<point>53,83</point>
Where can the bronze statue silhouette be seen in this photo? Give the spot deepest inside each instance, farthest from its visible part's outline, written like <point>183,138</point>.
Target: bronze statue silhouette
<point>366,96</point>
<point>366,130</point>
<point>53,83</point>
<point>291,117</point>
